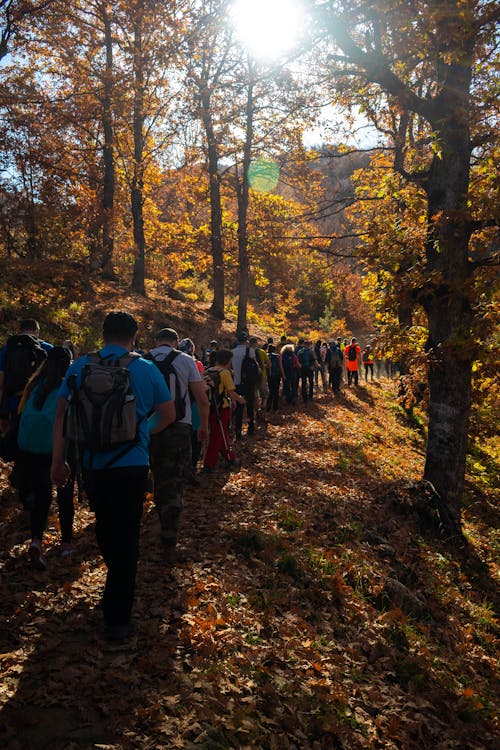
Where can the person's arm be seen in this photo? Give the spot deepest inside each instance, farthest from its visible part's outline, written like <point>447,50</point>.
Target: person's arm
<point>199,391</point>
<point>280,361</point>
<point>59,471</point>
<point>164,414</point>
<point>236,397</point>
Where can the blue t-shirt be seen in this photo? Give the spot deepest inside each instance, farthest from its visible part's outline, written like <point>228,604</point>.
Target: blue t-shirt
<point>150,390</point>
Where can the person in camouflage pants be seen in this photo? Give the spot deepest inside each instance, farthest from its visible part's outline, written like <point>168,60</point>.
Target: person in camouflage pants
<point>170,450</point>
<point>170,456</point>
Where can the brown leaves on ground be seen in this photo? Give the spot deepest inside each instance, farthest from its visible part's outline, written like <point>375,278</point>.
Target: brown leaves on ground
<point>306,609</point>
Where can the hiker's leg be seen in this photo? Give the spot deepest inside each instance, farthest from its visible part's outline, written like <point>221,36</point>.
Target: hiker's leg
<point>215,442</point>
<point>238,413</point>
<point>310,377</point>
<point>117,496</point>
<point>171,465</point>
<point>250,399</point>
<point>66,508</point>
<point>303,384</point>
<point>37,468</point>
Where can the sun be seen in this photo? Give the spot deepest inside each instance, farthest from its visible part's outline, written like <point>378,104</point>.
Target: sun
<point>268,28</point>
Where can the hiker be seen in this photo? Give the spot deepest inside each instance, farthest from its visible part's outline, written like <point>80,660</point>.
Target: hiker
<point>115,459</point>
<point>188,347</point>
<point>352,357</point>
<point>22,354</point>
<point>307,367</point>
<point>20,357</point>
<point>334,362</point>
<point>273,379</point>
<point>289,366</point>
<point>37,412</point>
<point>222,391</point>
<point>170,450</point>
<point>245,374</point>
<point>262,359</point>
<point>368,361</point>
<point>319,354</point>
<point>209,354</point>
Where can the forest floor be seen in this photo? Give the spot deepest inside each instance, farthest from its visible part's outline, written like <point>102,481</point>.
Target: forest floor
<point>308,608</point>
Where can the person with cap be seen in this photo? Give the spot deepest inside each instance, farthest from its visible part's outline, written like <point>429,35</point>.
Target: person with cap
<point>245,389</point>
<point>170,450</point>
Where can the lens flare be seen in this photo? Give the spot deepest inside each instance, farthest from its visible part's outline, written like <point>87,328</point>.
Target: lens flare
<point>268,28</point>
<point>263,175</point>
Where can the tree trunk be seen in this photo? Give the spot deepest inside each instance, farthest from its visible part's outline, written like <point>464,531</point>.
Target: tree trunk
<point>138,278</point>
<point>108,187</point>
<point>445,299</point>
<point>242,193</point>
<point>217,308</point>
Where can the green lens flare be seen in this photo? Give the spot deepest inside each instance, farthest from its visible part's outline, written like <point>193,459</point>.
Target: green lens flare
<point>263,175</point>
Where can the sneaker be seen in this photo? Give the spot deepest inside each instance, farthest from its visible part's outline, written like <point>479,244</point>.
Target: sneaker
<point>35,555</point>
<point>67,550</point>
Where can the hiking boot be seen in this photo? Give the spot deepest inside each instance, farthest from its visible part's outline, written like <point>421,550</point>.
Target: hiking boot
<point>35,555</point>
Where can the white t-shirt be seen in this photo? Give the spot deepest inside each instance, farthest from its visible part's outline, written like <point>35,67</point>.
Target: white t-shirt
<point>238,357</point>
<point>186,370</point>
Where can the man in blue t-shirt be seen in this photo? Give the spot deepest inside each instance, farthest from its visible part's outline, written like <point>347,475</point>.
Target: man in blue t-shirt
<point>115,480</point>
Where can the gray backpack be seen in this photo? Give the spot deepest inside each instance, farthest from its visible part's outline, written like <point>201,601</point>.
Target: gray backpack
<point>102,408</point>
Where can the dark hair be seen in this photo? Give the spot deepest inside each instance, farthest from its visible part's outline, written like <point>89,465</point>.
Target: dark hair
<point>30,324</point>
<point>271,348</point>
<point>119,326</point>
<point>167,334</point>
<point>50,373</point>
<point>223,356</point>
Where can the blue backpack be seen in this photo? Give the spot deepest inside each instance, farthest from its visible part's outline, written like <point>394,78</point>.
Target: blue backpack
<point>35,425</point>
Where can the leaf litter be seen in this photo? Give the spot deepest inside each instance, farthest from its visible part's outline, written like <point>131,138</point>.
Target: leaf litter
<point>307,610</point>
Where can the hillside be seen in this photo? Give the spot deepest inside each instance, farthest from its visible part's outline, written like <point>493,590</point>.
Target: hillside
<point>70,305</point>
<point>308,609</point>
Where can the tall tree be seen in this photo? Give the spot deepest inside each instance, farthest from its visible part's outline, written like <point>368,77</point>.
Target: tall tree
<point>422,58</point>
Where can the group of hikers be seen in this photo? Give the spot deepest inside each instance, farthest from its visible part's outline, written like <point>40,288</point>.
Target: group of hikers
<point>104,420</point>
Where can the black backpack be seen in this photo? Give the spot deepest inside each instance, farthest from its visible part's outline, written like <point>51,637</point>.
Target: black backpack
<point>352,354</point>
<point>23,356</point>
<point>250,370</point>
<point>212,378</point>
<point>287,362</point>
<point>169,372</point>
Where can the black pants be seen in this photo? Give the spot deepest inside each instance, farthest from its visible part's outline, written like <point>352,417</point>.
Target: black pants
<point>335,378</point>
<point>352,375</point>
<point>273,400</point>
<point>307,383</point>
<point>117,497</point>
<point>34,478</point>
<point>249,396</point>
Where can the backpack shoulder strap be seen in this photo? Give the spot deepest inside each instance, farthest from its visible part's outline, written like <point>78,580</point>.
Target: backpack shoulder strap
<point>170,357</point>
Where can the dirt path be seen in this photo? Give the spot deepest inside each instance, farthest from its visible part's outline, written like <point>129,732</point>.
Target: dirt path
<point>279,627</point>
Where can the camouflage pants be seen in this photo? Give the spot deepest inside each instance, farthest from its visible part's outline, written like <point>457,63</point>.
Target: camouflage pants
<point>170,455</point>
